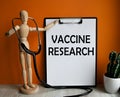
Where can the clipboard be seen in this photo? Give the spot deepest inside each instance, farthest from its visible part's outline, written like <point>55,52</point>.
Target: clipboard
<point>71,52</point>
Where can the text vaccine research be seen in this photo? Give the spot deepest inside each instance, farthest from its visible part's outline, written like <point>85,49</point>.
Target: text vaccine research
<point>71,50</point>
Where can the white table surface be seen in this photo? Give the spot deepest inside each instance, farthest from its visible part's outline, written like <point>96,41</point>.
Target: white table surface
<point>13,91</point>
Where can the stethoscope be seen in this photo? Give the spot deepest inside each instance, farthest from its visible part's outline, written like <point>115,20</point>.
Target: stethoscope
<point>34,53</point>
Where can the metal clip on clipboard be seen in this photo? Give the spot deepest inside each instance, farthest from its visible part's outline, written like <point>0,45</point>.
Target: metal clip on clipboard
<point>70,21</point>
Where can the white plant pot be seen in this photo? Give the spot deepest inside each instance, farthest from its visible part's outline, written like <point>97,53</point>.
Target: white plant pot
<point>111,85</point>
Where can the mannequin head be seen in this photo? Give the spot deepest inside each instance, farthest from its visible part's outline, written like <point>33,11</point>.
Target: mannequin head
<point>24,16</point>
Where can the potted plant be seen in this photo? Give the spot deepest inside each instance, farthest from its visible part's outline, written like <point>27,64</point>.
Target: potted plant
<point>112,76</point>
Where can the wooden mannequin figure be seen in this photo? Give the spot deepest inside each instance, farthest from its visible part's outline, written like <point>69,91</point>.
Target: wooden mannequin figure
<point>25,58</point>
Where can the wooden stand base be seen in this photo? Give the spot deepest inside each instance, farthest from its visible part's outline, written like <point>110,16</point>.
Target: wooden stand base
<point>29,91</point>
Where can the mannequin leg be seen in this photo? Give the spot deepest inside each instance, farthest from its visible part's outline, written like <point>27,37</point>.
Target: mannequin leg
<point>22,61</point>
<point>28,60</point>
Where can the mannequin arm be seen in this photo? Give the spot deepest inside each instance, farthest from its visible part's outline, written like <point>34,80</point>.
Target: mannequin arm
<point>45,28</point>
<point>12,31</point>
<point>50,25</point>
